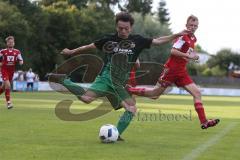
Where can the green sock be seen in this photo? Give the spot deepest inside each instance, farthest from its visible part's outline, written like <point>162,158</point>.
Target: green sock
<point>73,88</point>
<point>124,121</point>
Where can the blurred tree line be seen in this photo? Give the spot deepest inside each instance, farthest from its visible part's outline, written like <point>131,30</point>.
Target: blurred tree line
<point>218,65</point>
<point>42,28</point>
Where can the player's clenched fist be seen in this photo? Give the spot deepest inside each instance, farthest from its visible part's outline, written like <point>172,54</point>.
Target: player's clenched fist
<point>193,56</point>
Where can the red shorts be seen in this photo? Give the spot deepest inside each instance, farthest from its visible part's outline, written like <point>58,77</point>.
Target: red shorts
<point>7,74</point>
<point>180,79</point>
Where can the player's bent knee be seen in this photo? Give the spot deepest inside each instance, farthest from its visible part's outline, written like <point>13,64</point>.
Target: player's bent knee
<point>197,94</point>
<point>86,100</point>
<point>155,97</point>
<point>7,87</point>
<point>158,91</point>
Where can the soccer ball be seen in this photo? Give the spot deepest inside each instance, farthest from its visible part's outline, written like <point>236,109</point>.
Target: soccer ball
<point>108,133</point>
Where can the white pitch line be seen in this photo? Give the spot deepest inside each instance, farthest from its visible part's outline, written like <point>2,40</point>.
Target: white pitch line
<point>201,148</point>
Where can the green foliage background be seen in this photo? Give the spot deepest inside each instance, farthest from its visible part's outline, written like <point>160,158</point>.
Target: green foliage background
<point>43,28</point>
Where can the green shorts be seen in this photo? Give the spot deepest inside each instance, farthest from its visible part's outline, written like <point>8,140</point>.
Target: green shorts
<point>103,86</point>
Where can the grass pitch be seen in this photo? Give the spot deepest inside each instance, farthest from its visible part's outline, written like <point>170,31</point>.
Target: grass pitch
<point>164,129</point>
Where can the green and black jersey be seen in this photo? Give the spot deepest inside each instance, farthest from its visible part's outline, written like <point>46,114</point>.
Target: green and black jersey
<point>121,53</point>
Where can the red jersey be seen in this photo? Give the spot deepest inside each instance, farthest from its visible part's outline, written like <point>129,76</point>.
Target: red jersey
<point>184,44</point>
<point>9,58</point>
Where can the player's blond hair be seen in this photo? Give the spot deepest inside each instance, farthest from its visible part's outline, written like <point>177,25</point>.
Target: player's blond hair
<point>192,18</point>
<point>8,38</point>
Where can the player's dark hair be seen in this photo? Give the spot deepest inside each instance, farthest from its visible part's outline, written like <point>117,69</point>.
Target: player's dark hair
<point>125,17</point>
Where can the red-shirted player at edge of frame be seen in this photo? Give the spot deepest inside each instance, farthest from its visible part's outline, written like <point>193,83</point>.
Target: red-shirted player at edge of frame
<point>9,57</point>
<point>175,72</point>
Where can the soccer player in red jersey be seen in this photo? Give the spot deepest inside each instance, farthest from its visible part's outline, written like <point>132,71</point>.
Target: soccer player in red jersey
<point>9,57</point>
<point>175,71</point>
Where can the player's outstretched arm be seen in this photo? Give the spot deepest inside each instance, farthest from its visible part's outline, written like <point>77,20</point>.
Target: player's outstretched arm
<point>165,39</point>
<point>78,50</point>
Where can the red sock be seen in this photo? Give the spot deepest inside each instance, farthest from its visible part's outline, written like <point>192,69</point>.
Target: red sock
<point>137,91</point>
<point>200,111</point>
<point>1,90</point>
<point>7,94</point>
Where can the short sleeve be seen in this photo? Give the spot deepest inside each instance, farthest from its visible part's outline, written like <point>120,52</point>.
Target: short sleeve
<point>179,42</point>
<point>99,43</point>
<point>145,42</point>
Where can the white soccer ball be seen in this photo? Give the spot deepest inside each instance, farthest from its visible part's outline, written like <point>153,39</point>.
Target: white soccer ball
<point>108,133</point>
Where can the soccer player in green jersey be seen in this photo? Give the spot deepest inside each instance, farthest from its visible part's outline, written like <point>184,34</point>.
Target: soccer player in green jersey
<point>122,50</point>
